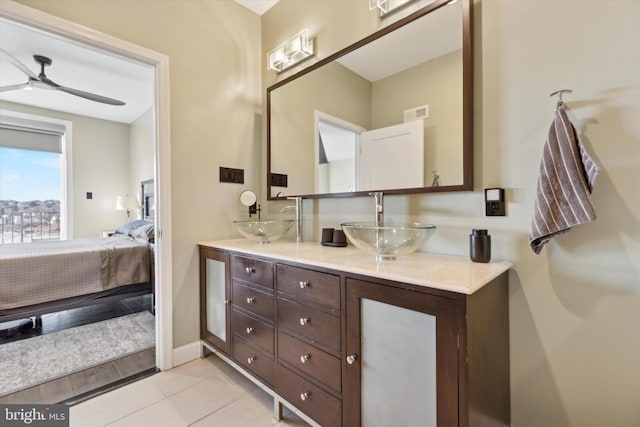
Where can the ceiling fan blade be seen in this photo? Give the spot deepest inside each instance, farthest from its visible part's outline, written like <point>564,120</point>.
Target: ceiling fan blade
<point>19,65</point>
<point>14,87</point>
<point>87,95</point>
<point>42,82</point>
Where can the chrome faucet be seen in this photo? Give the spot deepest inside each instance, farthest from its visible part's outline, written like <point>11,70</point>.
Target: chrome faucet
<point>298,209</point>
<point>378,198</point>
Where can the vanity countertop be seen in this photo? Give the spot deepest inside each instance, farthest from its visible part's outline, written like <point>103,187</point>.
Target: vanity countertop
<point>446,272</point>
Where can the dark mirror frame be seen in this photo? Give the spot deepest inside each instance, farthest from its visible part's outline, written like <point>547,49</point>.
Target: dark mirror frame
<point>467,103</point>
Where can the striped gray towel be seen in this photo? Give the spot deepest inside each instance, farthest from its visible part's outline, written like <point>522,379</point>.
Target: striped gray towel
<point>567,175</point>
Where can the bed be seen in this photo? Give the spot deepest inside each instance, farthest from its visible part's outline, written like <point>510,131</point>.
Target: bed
<point>46,277</point>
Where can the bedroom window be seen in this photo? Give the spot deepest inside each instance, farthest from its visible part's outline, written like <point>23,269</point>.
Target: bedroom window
<point>32,182</point>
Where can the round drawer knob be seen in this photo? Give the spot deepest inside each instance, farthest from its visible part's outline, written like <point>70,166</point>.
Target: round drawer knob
<point>250,300</point>
<point>251,359</point>
<point>249,330</point>
<point>250,270</point>
<point>305,357</point>
<point>352,358</point>
<point>304,321</point>
<point>305,395</point>
<point>304,284</point>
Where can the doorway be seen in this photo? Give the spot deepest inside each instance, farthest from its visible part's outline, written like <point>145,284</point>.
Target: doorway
<point>336,145</point>
<point>78,34</point>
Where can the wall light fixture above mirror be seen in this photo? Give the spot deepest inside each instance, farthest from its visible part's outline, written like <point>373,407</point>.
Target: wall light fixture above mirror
<point>339,127</point>
<point>291,52</point>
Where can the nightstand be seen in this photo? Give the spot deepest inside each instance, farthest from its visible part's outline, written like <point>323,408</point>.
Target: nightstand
<point>107,233</point>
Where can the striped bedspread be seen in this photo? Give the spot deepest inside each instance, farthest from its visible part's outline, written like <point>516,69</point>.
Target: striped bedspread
<point>32,273</point>
<point>567,176</point>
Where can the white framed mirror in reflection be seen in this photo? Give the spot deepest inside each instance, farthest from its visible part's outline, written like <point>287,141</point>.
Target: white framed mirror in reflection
<point>392,113</point>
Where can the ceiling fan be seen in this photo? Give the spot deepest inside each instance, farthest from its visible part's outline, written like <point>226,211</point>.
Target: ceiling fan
<point>41,81</point>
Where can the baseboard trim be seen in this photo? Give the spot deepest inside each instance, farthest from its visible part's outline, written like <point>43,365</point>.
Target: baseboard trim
<point>186,353</point>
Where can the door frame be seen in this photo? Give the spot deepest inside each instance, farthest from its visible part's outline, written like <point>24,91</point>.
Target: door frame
<point>319,116</point>
<point>162,162</point>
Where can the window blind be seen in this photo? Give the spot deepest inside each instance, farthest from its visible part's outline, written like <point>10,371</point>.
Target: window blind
<point>30,139</point>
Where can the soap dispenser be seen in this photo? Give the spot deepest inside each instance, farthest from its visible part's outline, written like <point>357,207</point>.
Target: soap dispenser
<point>480,246</point>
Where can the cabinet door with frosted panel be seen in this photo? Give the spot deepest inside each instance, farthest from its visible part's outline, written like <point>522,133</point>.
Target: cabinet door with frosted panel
<point>215,310</point>
<point>402,357</point>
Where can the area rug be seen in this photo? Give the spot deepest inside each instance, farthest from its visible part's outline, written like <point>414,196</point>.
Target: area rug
<point>33,361</point>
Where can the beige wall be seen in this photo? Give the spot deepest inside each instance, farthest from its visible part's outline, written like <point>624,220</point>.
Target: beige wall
<point>575,309</point>
<point>100,165</point>
<point>214,58</point>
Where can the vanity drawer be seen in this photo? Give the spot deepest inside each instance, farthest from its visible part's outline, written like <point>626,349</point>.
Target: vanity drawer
<point>310,360</point>
<point>316,325</point>
<point>259,333</point>
<point>309,285</point>
<point>325,409</point>
<point>253,359</point>
<point>256,271</point>
<point>253,300</point>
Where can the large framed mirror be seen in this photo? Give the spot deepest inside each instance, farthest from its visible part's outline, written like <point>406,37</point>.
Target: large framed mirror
<point>392,113</point>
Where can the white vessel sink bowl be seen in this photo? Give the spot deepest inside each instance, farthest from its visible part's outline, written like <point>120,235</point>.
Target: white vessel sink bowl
<point>264,231</point>
<point>387,241</point>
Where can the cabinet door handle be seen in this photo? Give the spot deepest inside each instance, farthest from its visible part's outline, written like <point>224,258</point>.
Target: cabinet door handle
<point>304,321</point>
<point>305,357</point>
<point>249,330</point>
<point>305,395</point>
<point>250,270</point>
<point>304,284</point>
<point>251,359</point>
<point>352,358</point>
<point>250,300</point>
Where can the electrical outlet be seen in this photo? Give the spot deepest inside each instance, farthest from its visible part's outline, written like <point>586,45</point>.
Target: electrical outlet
<point>279,180</point>
<point>234,176</point>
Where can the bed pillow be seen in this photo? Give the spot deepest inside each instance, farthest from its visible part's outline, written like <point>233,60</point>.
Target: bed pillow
<point>129,226</point>
<point>144,233</point>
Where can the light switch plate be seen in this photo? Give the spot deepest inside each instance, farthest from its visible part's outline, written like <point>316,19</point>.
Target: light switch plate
<point>494,202</point>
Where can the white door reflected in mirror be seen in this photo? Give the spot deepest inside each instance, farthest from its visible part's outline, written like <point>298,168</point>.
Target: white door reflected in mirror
<point>352,159</point>
<point>391,157</point>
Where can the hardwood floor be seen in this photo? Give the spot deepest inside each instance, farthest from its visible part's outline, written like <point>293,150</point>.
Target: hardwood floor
<point>53,322</point>
<point>89,382</point>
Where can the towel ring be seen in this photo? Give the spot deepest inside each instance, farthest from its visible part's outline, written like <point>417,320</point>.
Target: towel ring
<point>559,93</point>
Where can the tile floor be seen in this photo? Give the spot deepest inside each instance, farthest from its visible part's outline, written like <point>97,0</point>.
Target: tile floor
<point>203,392</point>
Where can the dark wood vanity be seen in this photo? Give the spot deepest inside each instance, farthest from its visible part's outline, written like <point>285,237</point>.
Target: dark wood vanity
<point>323,340</point>
<point>419,341</point>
